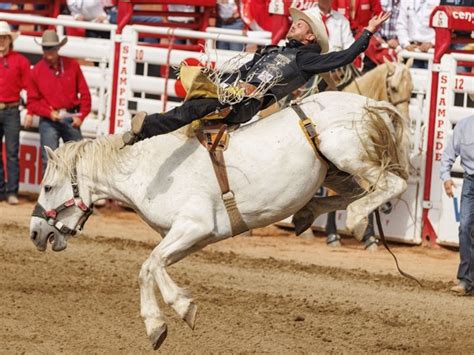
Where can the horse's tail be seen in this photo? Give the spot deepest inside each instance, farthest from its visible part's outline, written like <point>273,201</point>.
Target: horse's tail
<point>387,147</point>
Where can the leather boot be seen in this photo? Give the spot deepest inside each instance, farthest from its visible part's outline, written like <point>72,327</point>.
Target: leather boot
<point>132,136</point>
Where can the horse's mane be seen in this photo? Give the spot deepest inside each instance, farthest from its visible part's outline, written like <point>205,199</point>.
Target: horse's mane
<point>372,84</point>
<point>97,156</point>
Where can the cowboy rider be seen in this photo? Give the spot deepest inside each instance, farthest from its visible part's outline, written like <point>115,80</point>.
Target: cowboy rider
<point>302,57</point>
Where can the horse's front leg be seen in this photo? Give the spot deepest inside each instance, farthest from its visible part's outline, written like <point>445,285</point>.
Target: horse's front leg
<point>155,325</point>
<point>185,236</point>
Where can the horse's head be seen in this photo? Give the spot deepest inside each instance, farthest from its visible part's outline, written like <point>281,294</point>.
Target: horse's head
<point>399,85</point>
<point>63,204</point>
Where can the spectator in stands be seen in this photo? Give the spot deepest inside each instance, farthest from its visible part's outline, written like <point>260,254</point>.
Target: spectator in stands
<point>5,6</point>
<point>413,26</point>
<point>90,10</point>
<point>14,73</point>
<point>469,3</point>
<point>388,31</point>
<point>359,13</point>
<point>228,17</point>
<point>139,19</point>
<point>338,26</point>
<point>181,19</point>
<point>462,144</point>
<point>59,94</point>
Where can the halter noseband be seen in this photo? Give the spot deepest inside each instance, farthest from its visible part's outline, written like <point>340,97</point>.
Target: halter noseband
<point>50,216</point>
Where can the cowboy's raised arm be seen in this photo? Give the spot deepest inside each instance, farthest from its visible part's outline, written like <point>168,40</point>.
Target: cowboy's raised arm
<point>311,63</point>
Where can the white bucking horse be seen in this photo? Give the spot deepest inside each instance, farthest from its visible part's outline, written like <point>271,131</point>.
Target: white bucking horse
<point>169,180</point>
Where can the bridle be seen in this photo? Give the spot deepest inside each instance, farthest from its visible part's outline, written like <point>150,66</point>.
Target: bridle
<point>51,216</point>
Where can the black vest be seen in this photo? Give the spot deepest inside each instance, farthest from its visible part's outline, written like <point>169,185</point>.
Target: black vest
<point>280,63</point>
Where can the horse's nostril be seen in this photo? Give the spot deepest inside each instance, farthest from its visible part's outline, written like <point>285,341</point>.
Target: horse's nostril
<point>33,235</point>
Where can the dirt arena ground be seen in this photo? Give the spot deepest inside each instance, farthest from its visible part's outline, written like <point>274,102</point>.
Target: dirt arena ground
<point>267,293</point>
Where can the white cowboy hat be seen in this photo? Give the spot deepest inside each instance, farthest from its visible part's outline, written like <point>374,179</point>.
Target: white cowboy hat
<point>6,31</point>
<point>313,19</point>
<point>51,39</point>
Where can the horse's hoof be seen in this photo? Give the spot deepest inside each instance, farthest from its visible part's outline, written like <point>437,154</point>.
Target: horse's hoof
<point>302,220</point>
<point>307,234</point>
<point>359,231</point>
<point>371,244</point>
<point>158,336</point>
<point>359,228</point>
<point>333,240</point>
<point>190,316</point>
<point>372,248</point>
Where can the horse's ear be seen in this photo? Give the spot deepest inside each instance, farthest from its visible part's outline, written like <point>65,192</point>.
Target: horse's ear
<point>51,154</point>
<point>390,64</point>
<point>409,62</point>
<point>399,59</point>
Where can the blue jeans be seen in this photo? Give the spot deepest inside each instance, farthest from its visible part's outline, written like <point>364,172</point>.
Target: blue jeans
<point>50,132</point>
<point>10,128</point>
<point>237,25</point>
<point>466,233</point>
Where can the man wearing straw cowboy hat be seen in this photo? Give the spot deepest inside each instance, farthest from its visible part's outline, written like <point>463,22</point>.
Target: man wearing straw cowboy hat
<point>14,72</point>
<point>285,68</point>
<point>59,94</point>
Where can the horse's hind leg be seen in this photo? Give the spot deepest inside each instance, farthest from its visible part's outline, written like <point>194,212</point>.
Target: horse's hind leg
<point>304,218</point>
<point>386,188</point>
<point>338,181</point>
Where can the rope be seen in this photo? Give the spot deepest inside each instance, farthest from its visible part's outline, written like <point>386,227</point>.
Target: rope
<point>167,70</point>
<point>384,242</point>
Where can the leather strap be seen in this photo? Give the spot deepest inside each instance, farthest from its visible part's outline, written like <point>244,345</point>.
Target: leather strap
<point>218,163</point>
<point>310,132</point>
<point>216,153</point>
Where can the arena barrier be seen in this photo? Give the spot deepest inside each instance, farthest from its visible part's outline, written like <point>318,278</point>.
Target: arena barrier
<point>145,81</point>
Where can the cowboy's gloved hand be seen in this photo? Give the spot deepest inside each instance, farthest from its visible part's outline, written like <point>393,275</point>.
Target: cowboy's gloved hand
<point>234,91</point>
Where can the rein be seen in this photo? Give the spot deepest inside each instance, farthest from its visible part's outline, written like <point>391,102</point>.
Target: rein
<point>385,244</point>
<point>51,216</point>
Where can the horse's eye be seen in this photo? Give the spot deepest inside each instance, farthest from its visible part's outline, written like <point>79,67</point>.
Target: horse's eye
<point>47,188</point>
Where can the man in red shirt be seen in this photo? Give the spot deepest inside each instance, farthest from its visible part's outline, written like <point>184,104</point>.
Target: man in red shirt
<point>14,72</point>
<point>59,94</point>
<point>359,12</point>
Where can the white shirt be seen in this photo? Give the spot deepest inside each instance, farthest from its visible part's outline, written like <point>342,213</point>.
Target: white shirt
<point>413,23</point>
<point>339,30</point>
<point>226,8</point>
<point>181,8</point>
<point>89,9</point>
